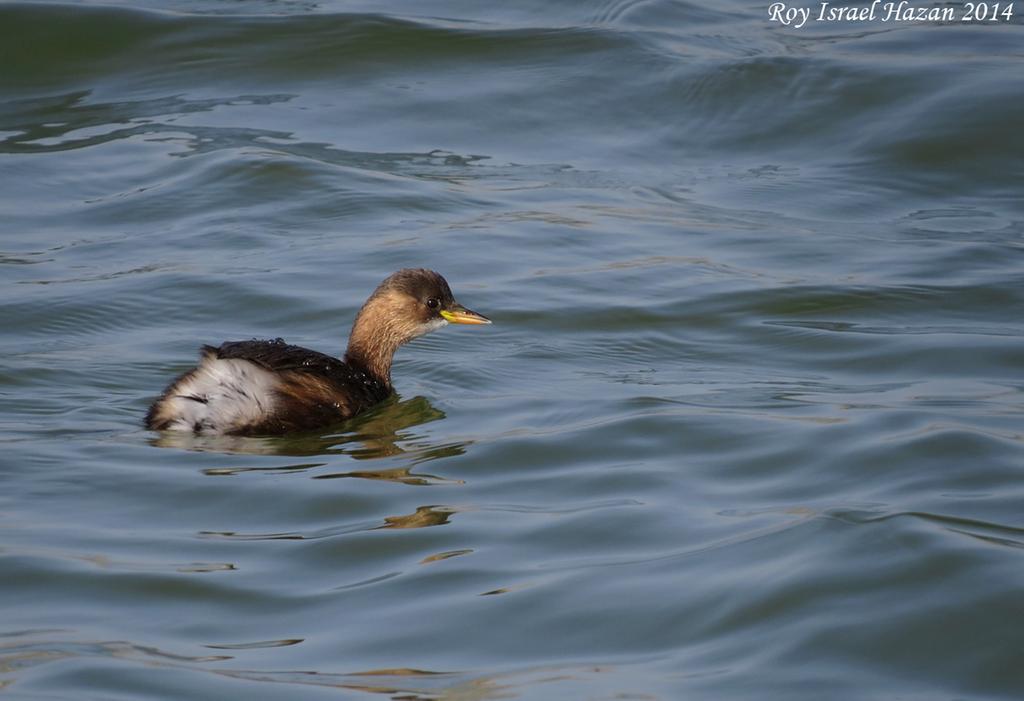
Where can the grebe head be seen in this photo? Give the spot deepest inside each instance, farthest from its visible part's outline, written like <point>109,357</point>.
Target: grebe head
<point>421,301</point>
<point>409,303</point>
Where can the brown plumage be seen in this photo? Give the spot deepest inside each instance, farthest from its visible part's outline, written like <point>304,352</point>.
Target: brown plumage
<point>270,387</point>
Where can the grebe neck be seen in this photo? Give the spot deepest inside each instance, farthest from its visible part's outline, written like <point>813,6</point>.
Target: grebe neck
<point>372,343</point>
<point>375,364</point>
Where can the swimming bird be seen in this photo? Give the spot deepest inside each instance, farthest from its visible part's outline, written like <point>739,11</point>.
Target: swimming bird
<point>271,387</point>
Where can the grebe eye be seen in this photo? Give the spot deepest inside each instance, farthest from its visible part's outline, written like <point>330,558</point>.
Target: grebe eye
<point>432,303</point>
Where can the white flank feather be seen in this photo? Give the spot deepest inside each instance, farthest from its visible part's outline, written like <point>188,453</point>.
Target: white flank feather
<point>237,393</point>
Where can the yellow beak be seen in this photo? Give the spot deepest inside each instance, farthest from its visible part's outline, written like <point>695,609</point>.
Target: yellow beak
<point>458,314</point>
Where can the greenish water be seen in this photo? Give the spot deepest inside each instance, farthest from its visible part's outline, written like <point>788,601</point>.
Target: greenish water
<point>748,423</point>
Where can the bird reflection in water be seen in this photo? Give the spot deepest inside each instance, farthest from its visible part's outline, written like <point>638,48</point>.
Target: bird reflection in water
<point>423,517</point>
<point>380,433</point>
<point>424,685</point>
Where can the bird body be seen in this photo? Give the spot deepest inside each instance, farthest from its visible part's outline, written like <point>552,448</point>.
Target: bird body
<point>270,387</point>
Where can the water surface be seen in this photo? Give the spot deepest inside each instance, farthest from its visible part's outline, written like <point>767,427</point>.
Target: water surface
<point>748,423</point>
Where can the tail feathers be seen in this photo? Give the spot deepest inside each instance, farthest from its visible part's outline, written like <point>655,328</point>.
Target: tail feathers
<point>218,396</point>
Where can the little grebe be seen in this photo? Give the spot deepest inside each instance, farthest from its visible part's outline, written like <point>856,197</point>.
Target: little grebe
<point>270,387</point>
